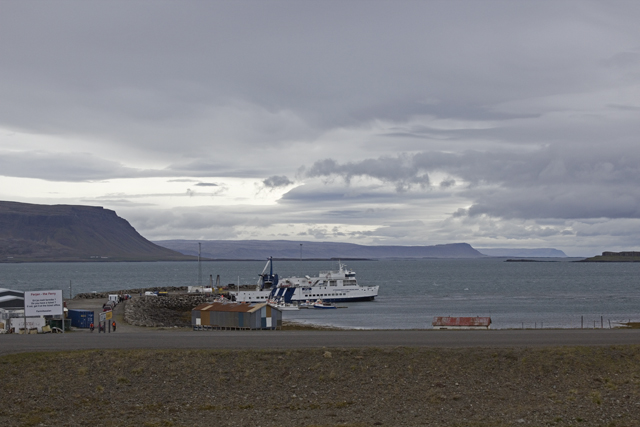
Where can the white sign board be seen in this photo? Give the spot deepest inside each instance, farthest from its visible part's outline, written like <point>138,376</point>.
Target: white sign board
<point>43,303</point>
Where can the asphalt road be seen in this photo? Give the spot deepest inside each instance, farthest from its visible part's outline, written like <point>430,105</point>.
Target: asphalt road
<point>187,339</point>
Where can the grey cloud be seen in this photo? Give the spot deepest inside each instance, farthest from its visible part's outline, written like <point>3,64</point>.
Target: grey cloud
<point>578,237</point>
<point>538,101</point>
<point>400,171</point>
<point>65,167</point>
<point>399,230</point>
<point>149,73</point>
<point>276,181</point>
<point>205,167</point>
<point>324,233</point>
<point>447,183</point>
<point>542,183</point>
<point>79,166</point>
<point>337,196</point>
<point>624,107</point>
<point>317,233</point>
<point>344,213</point>
<point>120,197</point>
<point>116,202</point>
<point>623,59</point>
<point>204,222</point>
<point>563,202</point>
<point>206,184</point>
<point>623,230</point>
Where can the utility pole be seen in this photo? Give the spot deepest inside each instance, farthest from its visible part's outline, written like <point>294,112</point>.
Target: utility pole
<point>199,265</point>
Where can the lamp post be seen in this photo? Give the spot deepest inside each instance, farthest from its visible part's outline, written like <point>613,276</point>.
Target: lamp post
<point>300,251</point>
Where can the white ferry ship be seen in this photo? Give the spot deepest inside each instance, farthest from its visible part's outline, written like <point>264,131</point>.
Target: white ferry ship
<point>329,286</point>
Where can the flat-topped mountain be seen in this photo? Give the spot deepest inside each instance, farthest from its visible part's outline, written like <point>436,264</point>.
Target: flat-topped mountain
<point>31,232</point>
<point>261,249</point>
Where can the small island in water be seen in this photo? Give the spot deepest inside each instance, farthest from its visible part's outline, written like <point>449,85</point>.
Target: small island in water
<point>627,256</point>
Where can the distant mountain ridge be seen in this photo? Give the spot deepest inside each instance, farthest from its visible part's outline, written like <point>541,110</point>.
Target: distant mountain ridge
<point>533,253</point>
<point>262,249</point>
<point>30,232</point>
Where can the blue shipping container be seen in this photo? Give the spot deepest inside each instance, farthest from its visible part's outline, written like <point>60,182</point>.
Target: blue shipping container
<point>80,318</point>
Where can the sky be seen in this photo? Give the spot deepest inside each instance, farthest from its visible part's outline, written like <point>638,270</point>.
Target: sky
<point>501,124</point>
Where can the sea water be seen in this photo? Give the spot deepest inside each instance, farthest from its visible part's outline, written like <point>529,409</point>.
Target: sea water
<point>559,294</point>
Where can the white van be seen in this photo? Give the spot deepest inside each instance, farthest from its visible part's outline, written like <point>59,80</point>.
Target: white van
<point>150,294</point>
<point>114,298</point>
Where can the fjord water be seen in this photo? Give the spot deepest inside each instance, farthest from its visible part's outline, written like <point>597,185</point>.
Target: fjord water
<point>514,294</point>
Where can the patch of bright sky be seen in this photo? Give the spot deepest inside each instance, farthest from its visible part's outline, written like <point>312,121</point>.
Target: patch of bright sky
<point>11,139</point>
<point>168,193</point>
<point>27,190</point>
<point>159,192</point>
<point>334,232</point>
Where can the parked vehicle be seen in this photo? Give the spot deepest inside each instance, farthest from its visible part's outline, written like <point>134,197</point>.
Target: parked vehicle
<point>108,306</point>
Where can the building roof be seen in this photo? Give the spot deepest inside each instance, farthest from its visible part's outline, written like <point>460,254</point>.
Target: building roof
<point>11,301</point>
<point>5,292</point>
<point>229,306</point>
<point>461,321</point>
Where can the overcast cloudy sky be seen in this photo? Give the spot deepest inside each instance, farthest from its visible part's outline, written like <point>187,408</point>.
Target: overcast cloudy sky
<point>496,123</point>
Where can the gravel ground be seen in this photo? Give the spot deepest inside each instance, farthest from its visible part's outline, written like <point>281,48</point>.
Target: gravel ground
<point>392,386</point>
<point>578,386</point>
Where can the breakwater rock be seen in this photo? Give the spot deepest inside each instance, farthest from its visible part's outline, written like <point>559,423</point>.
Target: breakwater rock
<point>136,291</point>
<point>169,311</point>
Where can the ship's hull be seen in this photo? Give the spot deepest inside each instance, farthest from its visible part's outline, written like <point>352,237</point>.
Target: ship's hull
<point>299,294</point>
<point>292,295</point>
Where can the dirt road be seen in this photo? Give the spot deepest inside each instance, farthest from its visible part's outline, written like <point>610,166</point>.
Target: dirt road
<point>186,339</point>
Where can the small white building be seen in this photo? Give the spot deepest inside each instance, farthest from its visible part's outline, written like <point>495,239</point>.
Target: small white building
<point>14,319</point>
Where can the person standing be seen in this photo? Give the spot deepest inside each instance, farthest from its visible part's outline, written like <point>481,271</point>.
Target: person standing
<point>114,325</point>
